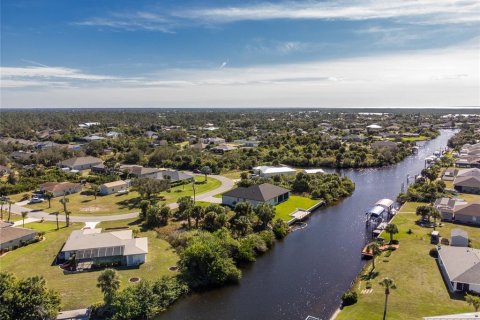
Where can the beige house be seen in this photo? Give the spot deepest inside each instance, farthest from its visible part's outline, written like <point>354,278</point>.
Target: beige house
<point>60,188</point>
<point>11,237</point>
<point>80,163</point>
<point>114,187</point>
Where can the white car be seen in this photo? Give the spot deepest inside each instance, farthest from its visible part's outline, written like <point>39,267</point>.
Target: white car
<point>36,200</point>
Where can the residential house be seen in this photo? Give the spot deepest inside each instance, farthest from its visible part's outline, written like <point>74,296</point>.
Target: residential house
<point>113,134</point>
<point>173,175</point>
<point>374,128</point>
<point>449,174</point>
<point>22,155</point>
<point>223,148</point>
<point>11,237</point>
<point>60,188</point>
<point>467,184</point>
<point>468,213</point>
<point>44,145</point>
<point>313,171</point>
<point>255,195</point>
<point>460,267</point>
<point>214,141</point>
<point>458,238</point>
<point>139,171</point>
<point>468,162</point>
<point>267,171</point>
<point>92,245</point>
<point>446,207</point>
<point>80,163</point>
<point>114,187</point>
<point>151,134</point>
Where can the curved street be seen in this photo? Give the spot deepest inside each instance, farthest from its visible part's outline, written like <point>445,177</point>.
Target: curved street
<point>18,207</point>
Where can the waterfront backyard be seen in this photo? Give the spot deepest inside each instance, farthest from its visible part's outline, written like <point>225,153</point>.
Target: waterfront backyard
<point>421,290</point>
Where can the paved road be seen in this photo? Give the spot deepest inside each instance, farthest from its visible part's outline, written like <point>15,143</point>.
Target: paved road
<point>226,185</point>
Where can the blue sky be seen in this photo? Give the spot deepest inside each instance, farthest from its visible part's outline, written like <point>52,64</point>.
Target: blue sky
<point>398,53</point>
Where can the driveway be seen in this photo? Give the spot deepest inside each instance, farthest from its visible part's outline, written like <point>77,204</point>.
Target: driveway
<point>17,208</point>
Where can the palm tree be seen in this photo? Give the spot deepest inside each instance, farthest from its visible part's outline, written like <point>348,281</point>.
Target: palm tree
<point>109,283</point>
<point>474,301</point>
<point>64,201</point>
<point>391,229</point>
<point>374,248</point>
<point>10,202</point>
<point>197,213</point>
<point>56,213</point>
<point>24,215</point>
<point>94,187</point>
<point>388,284</point>
<point>2,202</point>
<point>206,171</point>
<point>49,196</point>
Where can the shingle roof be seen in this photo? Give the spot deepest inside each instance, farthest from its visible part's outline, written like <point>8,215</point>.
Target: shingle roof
<point>461,263</point>
<point>11,233</point>
<point>469,209</point>
<point>469,181</point>
<point>58,186</point>
<point>114,184</point>
<point>138,170</point>
<point>262,192</point>
<point>78,161</point>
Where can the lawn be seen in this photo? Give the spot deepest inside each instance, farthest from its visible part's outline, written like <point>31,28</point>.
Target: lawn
<point>295,202</point>
<point>421,290</point>
<point>85,204</point>
<point>419,138</point>
<point>233,174</point>
<point>79,290</point>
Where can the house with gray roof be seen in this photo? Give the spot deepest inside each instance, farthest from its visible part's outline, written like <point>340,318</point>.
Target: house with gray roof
<point>255,195</point>
<point>467,184</point>
<point>80,163</point>
<point>173,175</point>
<point>95,247</point>
<point>468,213</point>
<point>460,267</point>
<point>11,237</point>
<point>140,171</point>
<point>446,207</point>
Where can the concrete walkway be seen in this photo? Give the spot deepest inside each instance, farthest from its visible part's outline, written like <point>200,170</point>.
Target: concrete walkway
<point>19,223</point>
<point>17,208</point>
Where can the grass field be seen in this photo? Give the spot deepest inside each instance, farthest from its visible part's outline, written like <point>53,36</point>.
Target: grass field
<point>295,202</point>
<point>419,138</point>
<point>85,204</point>
<point>421,290</point>
<point>79,290</point>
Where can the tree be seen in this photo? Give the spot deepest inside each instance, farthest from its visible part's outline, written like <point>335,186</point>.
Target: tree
<point>388,284</point>
<point>185,207</point>
<point>10,202</point>
<point>144,205</point>
<point>266,213</point>
<point>64,201</point>
<point>148,186</point>
<point>56,213</point>
<point>206,170</point>
<point>49,196</point>
<point>473,301</point>
<point>280,228</point>
<point>435,214</point>
<point>197,214</point>
<point>374,249</point>
<point>109,283</point>
<point>24,215</point>
<point>391,229</point>
<point>94,188</point>
<point>27,298</point>
<point>242,225</point>
<point>165,214</point>
<point>425,211</point>
<point>2,202</point>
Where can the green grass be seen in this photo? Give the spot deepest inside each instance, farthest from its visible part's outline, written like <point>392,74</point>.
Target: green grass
<point>85,204</point>
<point>469,197</point>
<point>295,202</point>
<point>233,174</point>
<point>419,138</point>
<point>79,290</point>
<point>421,290</point>
<point>45,226</point>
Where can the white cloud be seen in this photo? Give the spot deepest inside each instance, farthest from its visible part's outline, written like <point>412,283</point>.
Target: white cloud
<point>442,77</point>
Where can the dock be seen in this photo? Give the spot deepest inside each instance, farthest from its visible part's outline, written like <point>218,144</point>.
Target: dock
<point>301,214</point>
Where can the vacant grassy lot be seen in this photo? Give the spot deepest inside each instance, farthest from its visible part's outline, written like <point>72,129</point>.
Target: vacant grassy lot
<point>421,290</point>
<point>85,204</point>
<point>419,138</point>
<point>295,202</point>
<point>79,290</point>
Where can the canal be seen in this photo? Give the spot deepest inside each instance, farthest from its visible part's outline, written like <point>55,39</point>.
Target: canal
<point>307,273</point>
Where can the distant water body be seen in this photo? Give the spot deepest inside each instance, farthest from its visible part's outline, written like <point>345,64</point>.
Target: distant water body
<point>307,273</point>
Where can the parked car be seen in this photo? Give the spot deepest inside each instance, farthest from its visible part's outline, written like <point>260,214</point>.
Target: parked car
<point>36,200</point>
<point>197,171</point>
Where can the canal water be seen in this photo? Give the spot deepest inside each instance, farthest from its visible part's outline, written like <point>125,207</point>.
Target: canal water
<point>307,273</point>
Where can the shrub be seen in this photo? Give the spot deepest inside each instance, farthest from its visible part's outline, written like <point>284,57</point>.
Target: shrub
<point>349,298</point>
<point>268,237</point>
<point>368,285</point>
<point>280,228</point>
<point>433,253</point>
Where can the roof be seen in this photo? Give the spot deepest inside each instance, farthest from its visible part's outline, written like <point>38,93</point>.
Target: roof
<point>174,175</point>
<point>458,232</point>
<point>461,263</point>
<point>374,126</point>
<point>469,209</point>
<point>313,171</point>
<point>386,203</point>
<point>58,186</point>
<point>262,192</point>
<point>122,243</point>
<point>468,181</point>
<point>78,161</point>
<point>459,316</point>
<point>13,233</point>
<point>377,210</point>
<point>267,169</point>
<point>138,170</point>
<point>114,184</point>
<point>473,172</point>
<point>384,144</point>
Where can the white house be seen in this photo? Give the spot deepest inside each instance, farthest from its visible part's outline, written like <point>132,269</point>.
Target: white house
<point>257,194</point>
<point>267,171</point>
<point>114,187</point>
<point>80,163</point>
<point>93,245</point>
<point>60,188</point>
<point>460,267</point>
